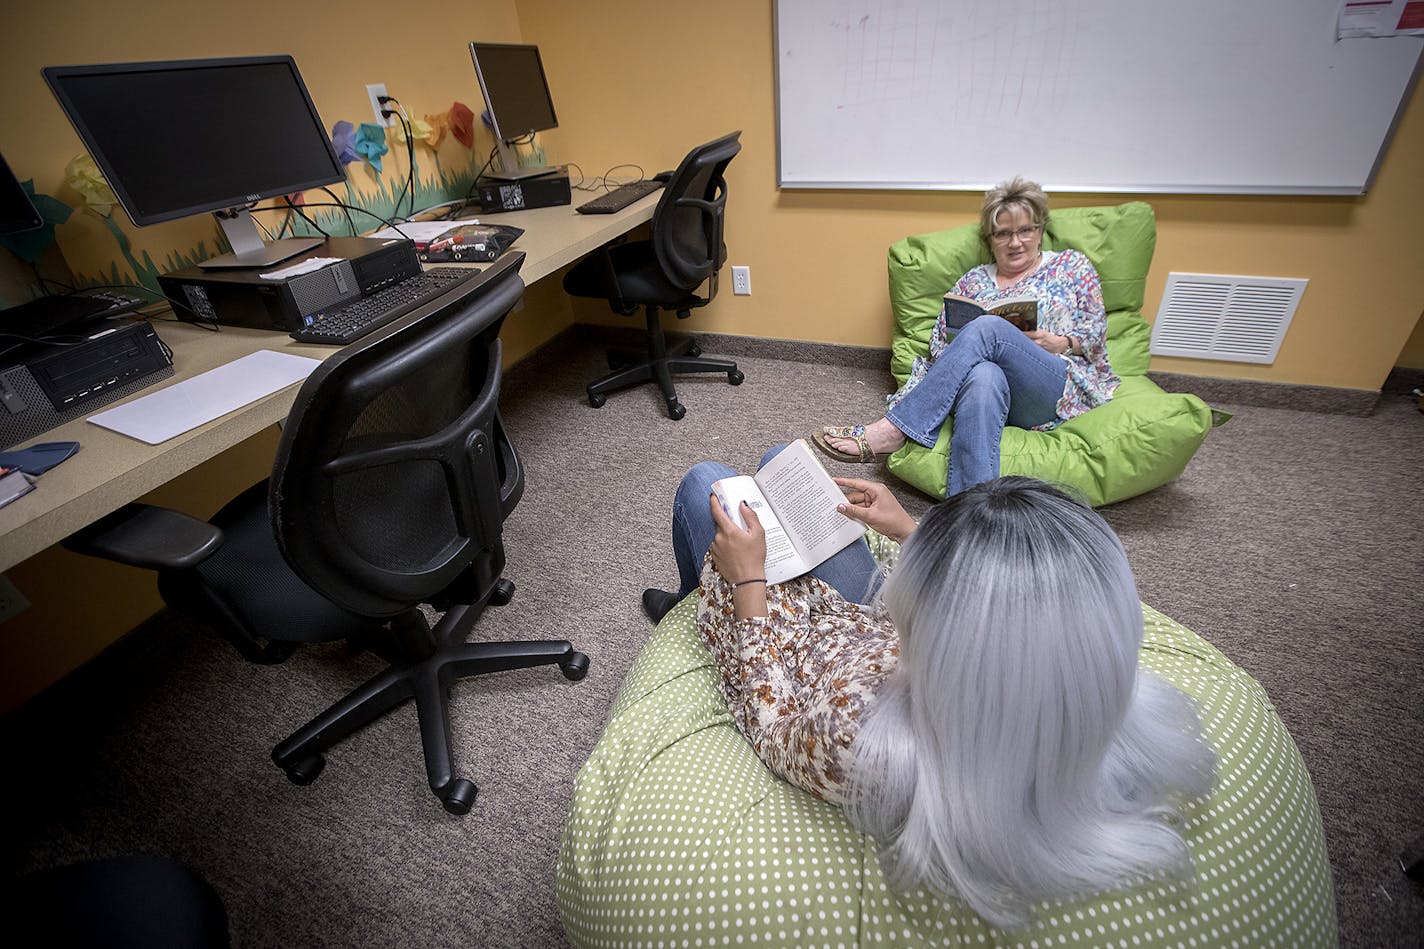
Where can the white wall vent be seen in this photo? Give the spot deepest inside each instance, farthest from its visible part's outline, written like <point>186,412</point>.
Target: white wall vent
<point>1216,316</point>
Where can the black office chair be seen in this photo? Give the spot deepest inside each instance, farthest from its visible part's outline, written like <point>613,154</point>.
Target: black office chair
<point>665,273</point>
<point>392,480</point>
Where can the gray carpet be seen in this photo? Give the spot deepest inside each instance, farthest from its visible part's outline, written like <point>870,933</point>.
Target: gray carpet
<point>1292,542</point>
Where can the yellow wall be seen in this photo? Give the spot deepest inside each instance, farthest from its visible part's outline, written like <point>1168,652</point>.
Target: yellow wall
<point>641,81</point>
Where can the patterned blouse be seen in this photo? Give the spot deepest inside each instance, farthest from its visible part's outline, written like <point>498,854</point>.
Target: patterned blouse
<point>1070,304</point>
<point>797,680</point>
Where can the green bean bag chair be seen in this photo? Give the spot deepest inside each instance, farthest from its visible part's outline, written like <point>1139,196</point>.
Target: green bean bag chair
<point>1141,439</point>
<point>680,836</point>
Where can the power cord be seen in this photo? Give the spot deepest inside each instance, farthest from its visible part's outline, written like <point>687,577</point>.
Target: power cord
<point>399,113</point>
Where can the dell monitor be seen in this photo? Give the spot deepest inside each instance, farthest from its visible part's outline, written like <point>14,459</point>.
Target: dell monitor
<point>190,136</point>
<point>17,211</point>
<point>517,94</point>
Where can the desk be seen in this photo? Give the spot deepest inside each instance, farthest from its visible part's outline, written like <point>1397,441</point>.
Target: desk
<point>111,469</point>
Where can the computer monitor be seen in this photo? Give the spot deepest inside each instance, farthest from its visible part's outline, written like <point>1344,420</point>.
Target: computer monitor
<point>516,92</point>
<point>17,211</point>
<point>188,136</point>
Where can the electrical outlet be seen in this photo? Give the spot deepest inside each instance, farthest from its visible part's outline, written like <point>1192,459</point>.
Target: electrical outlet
<point>373,91</point>
<point>742,281</point>
<point>12,601</point>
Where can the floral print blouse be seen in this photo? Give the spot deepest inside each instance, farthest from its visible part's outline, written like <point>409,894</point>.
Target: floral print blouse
<point>797,680</point>
<point>1070,304</point>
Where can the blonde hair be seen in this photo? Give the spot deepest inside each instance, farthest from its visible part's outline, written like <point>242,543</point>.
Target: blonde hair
<point>1017,754</point>
<point>1016,194</point>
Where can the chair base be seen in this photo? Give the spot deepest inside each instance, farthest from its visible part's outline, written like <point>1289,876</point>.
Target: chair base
<point>426,678</point>
<point>658,364</point>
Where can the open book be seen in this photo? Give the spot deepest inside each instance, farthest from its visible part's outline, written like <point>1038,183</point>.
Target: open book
<point>1020,311</point>
<point>795,500</point>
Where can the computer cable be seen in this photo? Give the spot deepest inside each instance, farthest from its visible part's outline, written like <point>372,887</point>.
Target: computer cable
<point>399,113</point>
<point>350,221</point>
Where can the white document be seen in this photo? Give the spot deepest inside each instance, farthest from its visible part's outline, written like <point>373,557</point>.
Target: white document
<point>157,417</point>
<point>795,500</point>
<point>420,231</point>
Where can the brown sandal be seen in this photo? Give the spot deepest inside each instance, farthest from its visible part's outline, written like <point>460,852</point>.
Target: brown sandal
<point>856,432</point>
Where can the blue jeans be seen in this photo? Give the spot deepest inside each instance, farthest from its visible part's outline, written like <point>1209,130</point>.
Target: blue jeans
<point>850,572</point>
<point>989,375</point>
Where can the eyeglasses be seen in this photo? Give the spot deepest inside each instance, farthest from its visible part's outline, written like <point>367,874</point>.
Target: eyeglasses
<point>1024,234</point>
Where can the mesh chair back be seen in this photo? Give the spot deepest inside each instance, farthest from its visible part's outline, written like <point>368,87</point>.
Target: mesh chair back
<point>394,474</point>
<point>687,223</point>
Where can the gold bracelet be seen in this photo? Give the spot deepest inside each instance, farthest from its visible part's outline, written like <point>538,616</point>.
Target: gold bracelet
<point>742,583</point>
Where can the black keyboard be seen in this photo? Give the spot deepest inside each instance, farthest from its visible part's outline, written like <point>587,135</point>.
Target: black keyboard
<point>350,321</point>
<point>620,197</point>
<point>47,316</point>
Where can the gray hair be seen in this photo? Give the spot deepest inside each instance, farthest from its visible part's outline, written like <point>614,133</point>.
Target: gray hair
<point>1016,194</point>
<point>1016,754</point>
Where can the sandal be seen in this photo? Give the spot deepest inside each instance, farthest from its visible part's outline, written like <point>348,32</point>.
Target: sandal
<point>857,432</point>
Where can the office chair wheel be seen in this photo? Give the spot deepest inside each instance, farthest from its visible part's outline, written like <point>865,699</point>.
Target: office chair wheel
<point>503,592</point>
<point>575,667</point>
<point>304,771</point>
<point>675,410</point>
<point>458,796</point>
<point>596,399</point>
<point>735,377</point>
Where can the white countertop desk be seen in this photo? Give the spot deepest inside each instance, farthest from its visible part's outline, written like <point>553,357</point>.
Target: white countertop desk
<point>111,470</point>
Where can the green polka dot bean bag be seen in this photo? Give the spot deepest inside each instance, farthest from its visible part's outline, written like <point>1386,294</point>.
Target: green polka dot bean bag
<point>1141,439</point>
<point>679,836</point>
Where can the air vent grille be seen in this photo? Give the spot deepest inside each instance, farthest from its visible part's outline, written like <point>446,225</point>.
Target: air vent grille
<point>1218,316</point>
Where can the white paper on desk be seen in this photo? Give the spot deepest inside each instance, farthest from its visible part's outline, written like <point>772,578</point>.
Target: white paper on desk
<point>420,231</point>
<point>157,417</point>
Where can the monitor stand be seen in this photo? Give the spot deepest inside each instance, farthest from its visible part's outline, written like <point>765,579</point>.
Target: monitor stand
<point>248,247</point>
<point>509,159</point>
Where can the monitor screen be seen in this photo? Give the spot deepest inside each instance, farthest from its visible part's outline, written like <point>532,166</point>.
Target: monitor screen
<point>184,137</point>
<point>517,94</point>
<point>515,89</point>
<point>187,136</point>
<point>17,211</point>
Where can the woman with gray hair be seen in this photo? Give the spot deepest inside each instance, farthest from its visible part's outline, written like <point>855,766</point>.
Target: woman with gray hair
<point>984,717</point>
<point>990,373</point>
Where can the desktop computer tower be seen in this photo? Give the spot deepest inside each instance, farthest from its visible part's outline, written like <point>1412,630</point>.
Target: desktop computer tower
<point>254,298</point>
<point>42,387</point>
<point>544,191</point>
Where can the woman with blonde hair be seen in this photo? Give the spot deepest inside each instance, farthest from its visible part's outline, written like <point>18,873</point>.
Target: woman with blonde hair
<point>989,373</point>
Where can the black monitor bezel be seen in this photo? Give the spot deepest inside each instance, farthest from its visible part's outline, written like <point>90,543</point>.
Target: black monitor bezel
<point>500,134</point>
<point>55,76</point>
<point>18,213</point>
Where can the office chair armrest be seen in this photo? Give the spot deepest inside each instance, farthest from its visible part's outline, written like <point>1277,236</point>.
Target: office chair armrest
<point>142,535</point>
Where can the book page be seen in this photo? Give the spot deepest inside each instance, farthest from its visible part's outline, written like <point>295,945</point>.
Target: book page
<point>782,562</point>
<point>805,498</point>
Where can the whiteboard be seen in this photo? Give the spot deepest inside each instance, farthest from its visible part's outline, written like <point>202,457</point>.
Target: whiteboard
<point>1142,96</point>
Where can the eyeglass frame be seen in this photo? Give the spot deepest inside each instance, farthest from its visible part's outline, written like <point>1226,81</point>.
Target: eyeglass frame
<point>1024,233</point>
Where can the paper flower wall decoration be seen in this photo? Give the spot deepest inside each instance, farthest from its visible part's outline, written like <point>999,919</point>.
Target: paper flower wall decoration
<point>439,125</point>
<point>462,124</point>
<point>84,176</point>
<point>343,139</point>
<point>419,131</point>
<point>371,143</point>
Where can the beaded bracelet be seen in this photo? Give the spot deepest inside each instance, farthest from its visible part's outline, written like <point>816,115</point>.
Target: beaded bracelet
<point>742,583</point>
